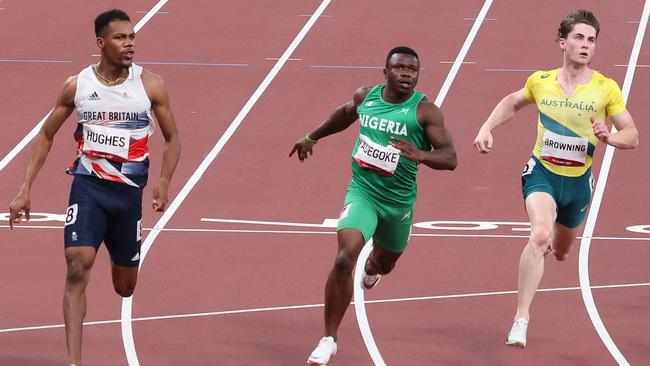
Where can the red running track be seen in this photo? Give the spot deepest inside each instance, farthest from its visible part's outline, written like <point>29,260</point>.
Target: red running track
<point>194,269</point>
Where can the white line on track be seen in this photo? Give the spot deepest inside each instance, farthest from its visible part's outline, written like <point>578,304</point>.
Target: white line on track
<point>463,52</point>
<point>273,223</point>
<point>333,232</point>
<point>310,306</point>
<point>31,134</point>
<point>585,243</point>
<point>361,313</point>
<point>127,303</point>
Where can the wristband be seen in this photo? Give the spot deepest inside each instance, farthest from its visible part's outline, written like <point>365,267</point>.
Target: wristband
<point>310,140</point>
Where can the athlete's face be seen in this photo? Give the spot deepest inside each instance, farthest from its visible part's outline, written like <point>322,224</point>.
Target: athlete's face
<point>402,73</point>
<point>117,43</point>
<point>579,45</point>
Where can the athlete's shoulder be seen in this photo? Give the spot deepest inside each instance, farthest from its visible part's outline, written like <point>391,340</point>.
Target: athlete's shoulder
<point>427,104</point>
<point>150,77</point>
<point>71,81</point>
<point>361,93</point>
<point>543,75</point>
<point>69,88</point>
<point>154,86</point>
<point>604,82</point>
<point>429,112</point>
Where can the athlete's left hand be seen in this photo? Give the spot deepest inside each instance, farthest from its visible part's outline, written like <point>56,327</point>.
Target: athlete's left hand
<point>160,198</point>
<point>407,149</point>
<point>600,130</point>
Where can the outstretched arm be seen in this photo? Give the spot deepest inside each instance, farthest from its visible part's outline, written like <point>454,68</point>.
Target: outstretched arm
<point>161,107</point>
<point>339,120</point>
<point>502,113</point>
<point>443,155</point>
<point>627,136</point>
<point>40,149</point>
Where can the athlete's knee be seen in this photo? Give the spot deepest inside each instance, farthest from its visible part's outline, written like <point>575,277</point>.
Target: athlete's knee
<point>382,268</point>
<point>561,255</point>
<point>540,238</point>
<point>78,271</point>
<point>344,263</point>
<point>124,289</point>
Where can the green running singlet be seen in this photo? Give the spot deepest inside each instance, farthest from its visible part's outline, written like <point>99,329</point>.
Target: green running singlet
<point>377,167</point>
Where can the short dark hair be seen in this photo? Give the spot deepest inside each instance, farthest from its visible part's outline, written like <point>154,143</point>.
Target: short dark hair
<point>576,17</point>
<point>401,49</point>
<point>103,19</point>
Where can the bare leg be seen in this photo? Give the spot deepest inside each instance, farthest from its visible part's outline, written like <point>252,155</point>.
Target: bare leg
<point>563,239</point>
<point>338,290</point>
<point>80,261</point>
<point>542,213</point>
<point>124,279</point>
<point>381,260</point>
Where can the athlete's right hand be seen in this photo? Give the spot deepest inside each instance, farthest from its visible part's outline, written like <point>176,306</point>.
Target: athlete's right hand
<point>18,209</point>
<point>483,141</point>
<point>303,148</point>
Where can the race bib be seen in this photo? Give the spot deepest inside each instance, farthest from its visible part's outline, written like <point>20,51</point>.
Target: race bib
<point>106,142</point>
<point>371,155</point>
<point>564,150</point>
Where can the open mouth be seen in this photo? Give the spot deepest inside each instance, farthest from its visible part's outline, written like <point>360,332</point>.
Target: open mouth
<point>128,54</point>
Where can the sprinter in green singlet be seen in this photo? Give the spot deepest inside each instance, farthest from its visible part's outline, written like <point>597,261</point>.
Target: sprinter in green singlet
<point>398,129</point>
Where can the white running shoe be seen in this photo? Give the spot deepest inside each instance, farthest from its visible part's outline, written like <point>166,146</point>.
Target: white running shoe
<point>369,282</point>
<point>517,334</point>
<point>321,355</point>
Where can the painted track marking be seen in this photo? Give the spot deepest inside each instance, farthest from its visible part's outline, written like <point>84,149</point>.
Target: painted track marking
<point>585,243</point>
<point>127,303</point>
<point>31,134</point>
<point>309,306</point>
<point>362,319</point>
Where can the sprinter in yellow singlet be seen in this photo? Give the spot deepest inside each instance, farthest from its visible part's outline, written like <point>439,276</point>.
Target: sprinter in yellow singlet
<point>573,102</point>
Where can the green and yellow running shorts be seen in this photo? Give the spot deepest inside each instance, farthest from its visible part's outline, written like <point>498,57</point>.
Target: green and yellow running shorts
<point>572,195</point>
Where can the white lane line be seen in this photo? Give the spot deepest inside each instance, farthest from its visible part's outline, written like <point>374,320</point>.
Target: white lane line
<point>310,306</point>
<point>463,52</point>
<point>585,243</point>
<point>333,232</point>
<point>21,145</point>
<point>149,15</point>
<point>31,134</point>
<point>127,303</point>
<point>364,326</point>
<point>158,12</point>
<point>278,223</point>
<point>360,306</point>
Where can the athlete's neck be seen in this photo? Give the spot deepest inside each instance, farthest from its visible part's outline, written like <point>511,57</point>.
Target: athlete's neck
<point>111,74</point>
<point>391,96</point>
<point>574,74</point>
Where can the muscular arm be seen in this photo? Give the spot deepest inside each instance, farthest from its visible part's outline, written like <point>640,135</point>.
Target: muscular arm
<point>41,148</point>
<point>502,113</point>
<point>342,117</point>
<point>627,136</point>
<point>339,120</point>
<point>160,105</point>
<point>443,155</point>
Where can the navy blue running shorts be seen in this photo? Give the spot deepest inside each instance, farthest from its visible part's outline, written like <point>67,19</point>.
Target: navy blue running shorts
<point>101,210</point>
